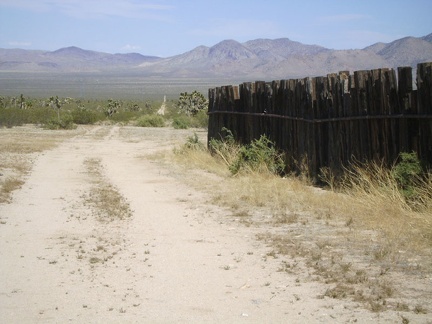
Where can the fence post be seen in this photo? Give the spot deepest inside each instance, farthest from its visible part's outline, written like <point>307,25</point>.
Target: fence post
<point>211,108</point>
<point>361,138</point>
<point>392,107</point>
<point>247,102</point>
<point>405,88</point>
<point>424,101</point>
<point>334,108</point>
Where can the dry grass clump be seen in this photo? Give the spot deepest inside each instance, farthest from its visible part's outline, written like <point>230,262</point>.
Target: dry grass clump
<point>106,200</point>
<point>194,155</point>
<point>383,205</point>
<point>7,187</point>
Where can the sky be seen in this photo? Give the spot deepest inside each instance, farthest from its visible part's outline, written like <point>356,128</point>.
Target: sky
<point>169,27</point>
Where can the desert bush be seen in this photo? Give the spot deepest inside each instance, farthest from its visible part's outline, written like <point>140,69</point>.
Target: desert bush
<point>181,122</point>
<point>10,117</point>
<point>226,149</point>
<point>407,173</point>
<point>84,116</point>
<point>194,143</point>
<point>259,156</point>
<point>200,120</point>
<point>150,121</point>
<point>125,116</point>
<point>65,122</point>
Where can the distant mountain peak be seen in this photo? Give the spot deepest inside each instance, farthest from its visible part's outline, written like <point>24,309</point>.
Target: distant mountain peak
<point>230,49</point>
<point>70,49</point>
<point>427,38</point>
<point>260,58</point>
<point>76,53</point>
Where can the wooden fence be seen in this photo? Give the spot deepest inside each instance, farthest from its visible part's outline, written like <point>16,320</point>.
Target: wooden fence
<point>331,120</point>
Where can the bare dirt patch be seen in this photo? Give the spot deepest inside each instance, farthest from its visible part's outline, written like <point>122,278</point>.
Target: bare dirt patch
<point>104,228</point>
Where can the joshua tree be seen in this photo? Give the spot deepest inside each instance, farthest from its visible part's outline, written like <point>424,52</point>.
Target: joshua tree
<point>192,103</point>
<point>112,108</point>
<point>57,103</point>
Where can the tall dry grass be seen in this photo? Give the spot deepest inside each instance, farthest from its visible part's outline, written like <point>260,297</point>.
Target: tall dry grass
<point>382,204</point>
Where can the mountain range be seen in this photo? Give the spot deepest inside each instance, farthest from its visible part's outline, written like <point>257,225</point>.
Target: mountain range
<point>255,59</point>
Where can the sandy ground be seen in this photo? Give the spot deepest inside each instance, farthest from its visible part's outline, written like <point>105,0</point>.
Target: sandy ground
<point>175,259</point>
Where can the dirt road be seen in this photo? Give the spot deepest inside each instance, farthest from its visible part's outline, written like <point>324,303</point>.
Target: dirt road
<point>162,255</point>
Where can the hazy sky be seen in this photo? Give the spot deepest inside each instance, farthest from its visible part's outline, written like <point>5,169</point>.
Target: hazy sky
<point>170,27</point>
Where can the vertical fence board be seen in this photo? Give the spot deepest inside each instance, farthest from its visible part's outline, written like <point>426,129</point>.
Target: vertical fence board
<point>405,88</point>
<point>424,101</point>
<point>392,108</point>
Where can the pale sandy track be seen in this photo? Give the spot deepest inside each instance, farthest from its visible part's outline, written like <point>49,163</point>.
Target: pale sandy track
<point>175,260</point>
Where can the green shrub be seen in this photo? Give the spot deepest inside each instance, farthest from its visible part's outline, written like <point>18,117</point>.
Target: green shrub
<point>84,116</point>
<point>258,156</point>
<point>65,122</point>
<point>11,117</point>
<point>151,121</point>
<point>125,116</point>
<point>181,122</point>
<point>201,119</point>
<point>407,173</point>
<point>194,143</point>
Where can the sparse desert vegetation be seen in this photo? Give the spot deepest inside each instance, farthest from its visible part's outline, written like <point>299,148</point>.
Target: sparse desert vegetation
<point>359,234</point>
<point>66,113</point>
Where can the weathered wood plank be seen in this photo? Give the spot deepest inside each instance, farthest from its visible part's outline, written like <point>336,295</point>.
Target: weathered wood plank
<point>405,88</point>
<point>424,97</point>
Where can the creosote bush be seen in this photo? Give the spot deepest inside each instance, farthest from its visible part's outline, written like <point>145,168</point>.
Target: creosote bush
<point>65,122</point>
<point>258,156</point>
<point>84,116</point>
<point>181,122</point>
<point>407,173</point>
<point>150,121</point>
<point>193,143</point>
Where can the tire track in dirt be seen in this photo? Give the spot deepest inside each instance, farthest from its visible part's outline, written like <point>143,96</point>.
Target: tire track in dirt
<point>175,259</point>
